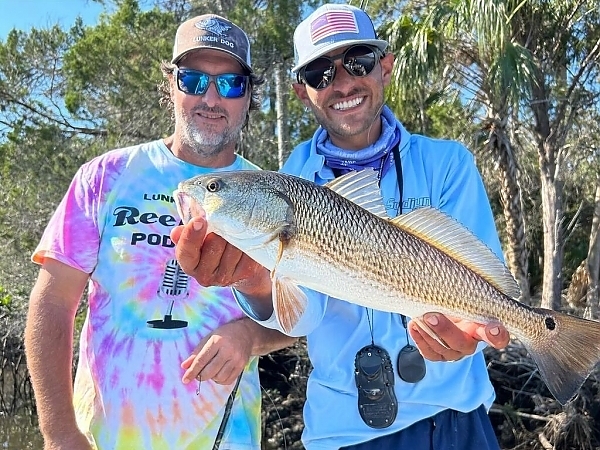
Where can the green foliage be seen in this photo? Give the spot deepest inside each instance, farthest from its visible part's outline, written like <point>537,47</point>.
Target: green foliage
<point>515,62</point>
<point>31,83</point>
<point>5,299</point>
<point>113,69</point>
<point>271,26</point>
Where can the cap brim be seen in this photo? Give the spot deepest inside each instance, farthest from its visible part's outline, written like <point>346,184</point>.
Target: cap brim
<point>233,55</point>
<point>380,44</point>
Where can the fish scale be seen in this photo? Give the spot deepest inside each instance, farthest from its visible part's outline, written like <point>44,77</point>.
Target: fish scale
<point>338,240</point>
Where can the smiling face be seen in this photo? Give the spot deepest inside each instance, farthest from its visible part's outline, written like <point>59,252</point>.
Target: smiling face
<point>208,126</point>
<point>349,108</point>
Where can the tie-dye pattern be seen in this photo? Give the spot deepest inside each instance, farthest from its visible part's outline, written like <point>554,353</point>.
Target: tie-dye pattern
<point>114,224</point>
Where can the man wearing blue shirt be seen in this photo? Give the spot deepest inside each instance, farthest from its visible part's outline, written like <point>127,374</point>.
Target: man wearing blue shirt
<point>439,402</point>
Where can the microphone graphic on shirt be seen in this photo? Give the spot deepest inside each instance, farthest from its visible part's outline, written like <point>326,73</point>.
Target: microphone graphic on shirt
<point>174,286</point>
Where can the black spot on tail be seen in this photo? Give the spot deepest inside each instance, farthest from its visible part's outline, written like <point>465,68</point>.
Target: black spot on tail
<point>550,323</point>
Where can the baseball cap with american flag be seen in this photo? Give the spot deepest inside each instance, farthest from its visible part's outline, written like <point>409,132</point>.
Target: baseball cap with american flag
<point>329,27</point>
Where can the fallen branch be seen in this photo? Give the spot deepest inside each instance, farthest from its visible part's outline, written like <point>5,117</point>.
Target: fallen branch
<point>545,442</point>
<point>503,411</point>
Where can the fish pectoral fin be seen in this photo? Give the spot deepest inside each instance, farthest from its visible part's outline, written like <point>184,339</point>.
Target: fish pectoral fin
<point>427,329</point>
<point>277,260</point>
<point>290,302</point>
<point>282,245</point>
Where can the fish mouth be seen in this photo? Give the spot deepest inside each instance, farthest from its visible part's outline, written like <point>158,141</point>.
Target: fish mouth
<point>187,206</point>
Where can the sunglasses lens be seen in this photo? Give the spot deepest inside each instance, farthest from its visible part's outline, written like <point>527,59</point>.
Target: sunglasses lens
<point>231,85</point>
<point>194,82</point>
<point>360,60</point>
<point>319,73</point>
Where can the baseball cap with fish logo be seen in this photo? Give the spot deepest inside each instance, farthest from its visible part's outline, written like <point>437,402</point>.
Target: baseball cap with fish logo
<point>212,32</point>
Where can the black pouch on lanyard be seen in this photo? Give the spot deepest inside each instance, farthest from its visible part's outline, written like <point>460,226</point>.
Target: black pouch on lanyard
<point>374,376</point>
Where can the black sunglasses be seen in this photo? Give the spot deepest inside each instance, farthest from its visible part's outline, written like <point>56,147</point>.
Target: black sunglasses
<point>358,60</point>
<point>194,82</point>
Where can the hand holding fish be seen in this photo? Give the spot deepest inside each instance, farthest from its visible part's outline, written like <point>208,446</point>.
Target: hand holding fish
<point>212,261</point>
<point>460,336</point>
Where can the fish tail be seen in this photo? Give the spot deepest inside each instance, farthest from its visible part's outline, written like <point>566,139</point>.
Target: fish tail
<point>566,352</point>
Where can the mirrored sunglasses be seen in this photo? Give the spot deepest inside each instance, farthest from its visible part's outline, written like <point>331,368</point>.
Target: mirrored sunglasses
<point>194,82</point>
<point>358,60</point>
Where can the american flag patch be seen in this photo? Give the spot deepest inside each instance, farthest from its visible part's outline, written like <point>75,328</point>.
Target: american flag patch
<point>332,22</point>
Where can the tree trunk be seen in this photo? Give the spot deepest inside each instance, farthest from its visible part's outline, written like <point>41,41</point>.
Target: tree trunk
<point>583,288</point>
<point>552,218</point>
<point>549,137</point>
<point>281,94</point>
<point>593,259</point>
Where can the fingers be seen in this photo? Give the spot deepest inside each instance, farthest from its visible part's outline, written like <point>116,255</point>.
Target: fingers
<point>495,335</point>
<point>189,239</point>
<point>176,233</point>
<point>221,260</point>
<point>213,362</point>
<point>459,344</point>
<point>460,336</point>
<point>220,357</point>
<point>210,259</point>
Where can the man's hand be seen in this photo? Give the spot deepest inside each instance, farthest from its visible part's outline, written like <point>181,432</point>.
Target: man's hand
<point>222,355</point>
<point>212,261</point>
<point>460,336</point>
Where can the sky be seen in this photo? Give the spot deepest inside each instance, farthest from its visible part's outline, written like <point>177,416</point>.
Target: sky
<point>25,14</point>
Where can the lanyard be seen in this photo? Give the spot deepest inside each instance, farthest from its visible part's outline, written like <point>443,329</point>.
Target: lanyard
<point>398,165</point>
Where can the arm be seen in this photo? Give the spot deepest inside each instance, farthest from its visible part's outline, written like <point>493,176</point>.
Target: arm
<point>49,349</point>
<point>222,355</point>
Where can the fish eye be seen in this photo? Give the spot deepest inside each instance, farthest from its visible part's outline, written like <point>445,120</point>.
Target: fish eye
<point>213,185</point>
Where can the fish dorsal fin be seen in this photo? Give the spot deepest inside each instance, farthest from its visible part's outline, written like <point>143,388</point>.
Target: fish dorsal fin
<point>447,234</point>
<point>361,188</point>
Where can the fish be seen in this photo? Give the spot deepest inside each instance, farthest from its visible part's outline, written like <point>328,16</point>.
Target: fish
<point>338,239</point>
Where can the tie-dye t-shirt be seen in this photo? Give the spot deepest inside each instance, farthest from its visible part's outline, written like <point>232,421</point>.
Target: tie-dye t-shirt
<point>145,315</point>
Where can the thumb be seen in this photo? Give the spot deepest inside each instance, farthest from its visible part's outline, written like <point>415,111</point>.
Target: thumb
<point>189,239</point>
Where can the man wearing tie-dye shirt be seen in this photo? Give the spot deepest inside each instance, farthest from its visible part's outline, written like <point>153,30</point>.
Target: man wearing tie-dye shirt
<point>160,355</point>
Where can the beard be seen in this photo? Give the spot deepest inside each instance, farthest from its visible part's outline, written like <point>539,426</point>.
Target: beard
<point>205,141</point>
